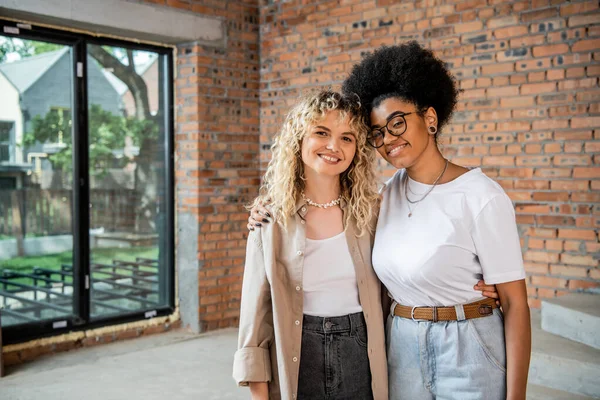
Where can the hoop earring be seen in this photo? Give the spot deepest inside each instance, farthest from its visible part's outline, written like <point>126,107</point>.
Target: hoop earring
<point>432,130</point>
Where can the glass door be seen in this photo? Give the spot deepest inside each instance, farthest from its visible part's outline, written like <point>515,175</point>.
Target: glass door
<point>36,182</point>
<point>86,181</point>
<point>127,169</point>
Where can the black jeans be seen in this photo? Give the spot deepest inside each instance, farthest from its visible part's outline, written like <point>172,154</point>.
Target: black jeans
<point>334,363</point>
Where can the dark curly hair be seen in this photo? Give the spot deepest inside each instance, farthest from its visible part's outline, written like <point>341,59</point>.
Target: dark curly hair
<point>407,71</point>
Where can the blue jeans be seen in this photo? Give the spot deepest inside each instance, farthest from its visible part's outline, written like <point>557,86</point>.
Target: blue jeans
<point>334,363</point>
<point>462,360</point>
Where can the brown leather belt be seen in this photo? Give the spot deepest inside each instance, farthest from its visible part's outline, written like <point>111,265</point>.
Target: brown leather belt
<point>482,308</point>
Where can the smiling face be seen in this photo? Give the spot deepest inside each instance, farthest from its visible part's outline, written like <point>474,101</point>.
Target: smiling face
<point>406,150</point>
<point>329,146</point>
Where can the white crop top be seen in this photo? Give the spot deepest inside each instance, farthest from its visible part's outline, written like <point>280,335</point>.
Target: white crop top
<point>329,279</point>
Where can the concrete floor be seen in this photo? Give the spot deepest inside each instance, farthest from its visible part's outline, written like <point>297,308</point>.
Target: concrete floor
<point>173,366</point>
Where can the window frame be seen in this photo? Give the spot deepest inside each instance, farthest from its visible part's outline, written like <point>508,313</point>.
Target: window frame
<point>80,319</point>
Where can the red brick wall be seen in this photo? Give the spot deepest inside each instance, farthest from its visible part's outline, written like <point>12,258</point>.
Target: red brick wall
<point>217,147</point>
<point>529,113</point>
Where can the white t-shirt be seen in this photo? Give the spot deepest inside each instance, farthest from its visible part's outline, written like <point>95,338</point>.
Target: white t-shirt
<point>461,231</point>
<point>329,279</point>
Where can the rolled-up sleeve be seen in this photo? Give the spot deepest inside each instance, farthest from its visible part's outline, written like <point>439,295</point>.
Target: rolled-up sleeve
<point>252,360</point>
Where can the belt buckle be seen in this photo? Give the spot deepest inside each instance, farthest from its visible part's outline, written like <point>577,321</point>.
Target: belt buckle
<point>485,310</point>
<point>412,315</point>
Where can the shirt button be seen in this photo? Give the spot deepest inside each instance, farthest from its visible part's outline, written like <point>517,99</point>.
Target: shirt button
<point>297,288</point>
<point>297,322</point>
<point>295,359</point>
<point>302,221</point>
<point>303,209</point>
<point>299,253</point>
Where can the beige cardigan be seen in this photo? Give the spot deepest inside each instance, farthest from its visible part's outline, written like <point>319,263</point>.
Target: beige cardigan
<point>272,300</point>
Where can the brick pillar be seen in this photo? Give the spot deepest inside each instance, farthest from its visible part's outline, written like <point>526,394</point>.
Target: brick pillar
<point>217,164</point>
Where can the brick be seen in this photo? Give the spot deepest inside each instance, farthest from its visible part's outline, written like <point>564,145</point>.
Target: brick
<point>562,160</point>
<point>535,268</point>
<point>593,70</point>
<point>468,27</point>
<point>555,74</point>
<point>573,147</point>
<point>503,91</point>
<point>592,147</point>
<point>514,102</point>
<point>586,45</point>
<point>567,111</point>
<point>533,185</point>
<point>554,245</point>
<point>587,19</point>
<point>571,59</point>
<point>593,172</point>
<point>558,98</point>
<point>467,5</point>
<point>516,172</point>
<point>495,23</point>
<point>512,54</point>
<point>548,281</point>
<point>536,244</point>
<point>578,284</point>
<point>562,270</point>
<point>541,257</point>
<point>513,126</point>
<point>580,234</point>
<point>550,196</point>
<point>537,88</point>
<point>532,65</point>
<point>569,185</point>
<point>497,69</point>
<point>552,148</point>
<point>542,232</point>
<point>566,35</point>
<point>512,31</point>
<point>534,15</point>
<point>519,79</point>
<point>548,26</point>
<point>544,51</point>
<point>499,160</point>
<point>578,8</point>
<point>537,160</point>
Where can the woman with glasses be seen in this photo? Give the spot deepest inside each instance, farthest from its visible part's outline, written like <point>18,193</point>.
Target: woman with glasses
<point>441,227</point>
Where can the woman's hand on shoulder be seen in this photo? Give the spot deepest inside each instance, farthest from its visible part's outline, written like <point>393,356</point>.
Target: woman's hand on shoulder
<point>258,216</point>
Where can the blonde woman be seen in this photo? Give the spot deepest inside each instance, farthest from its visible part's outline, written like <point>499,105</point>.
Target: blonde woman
<point>311,323</point>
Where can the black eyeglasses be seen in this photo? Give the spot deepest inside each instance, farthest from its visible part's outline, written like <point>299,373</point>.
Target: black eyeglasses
<point>396,126</point>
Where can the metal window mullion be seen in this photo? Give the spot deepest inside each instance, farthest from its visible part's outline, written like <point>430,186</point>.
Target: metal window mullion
<point>81,196</point>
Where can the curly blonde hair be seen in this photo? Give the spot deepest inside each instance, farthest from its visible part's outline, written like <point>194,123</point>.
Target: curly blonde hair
<point>283,182</point>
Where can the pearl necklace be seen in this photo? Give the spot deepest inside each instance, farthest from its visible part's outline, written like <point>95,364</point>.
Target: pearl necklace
<point>332,203</point>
